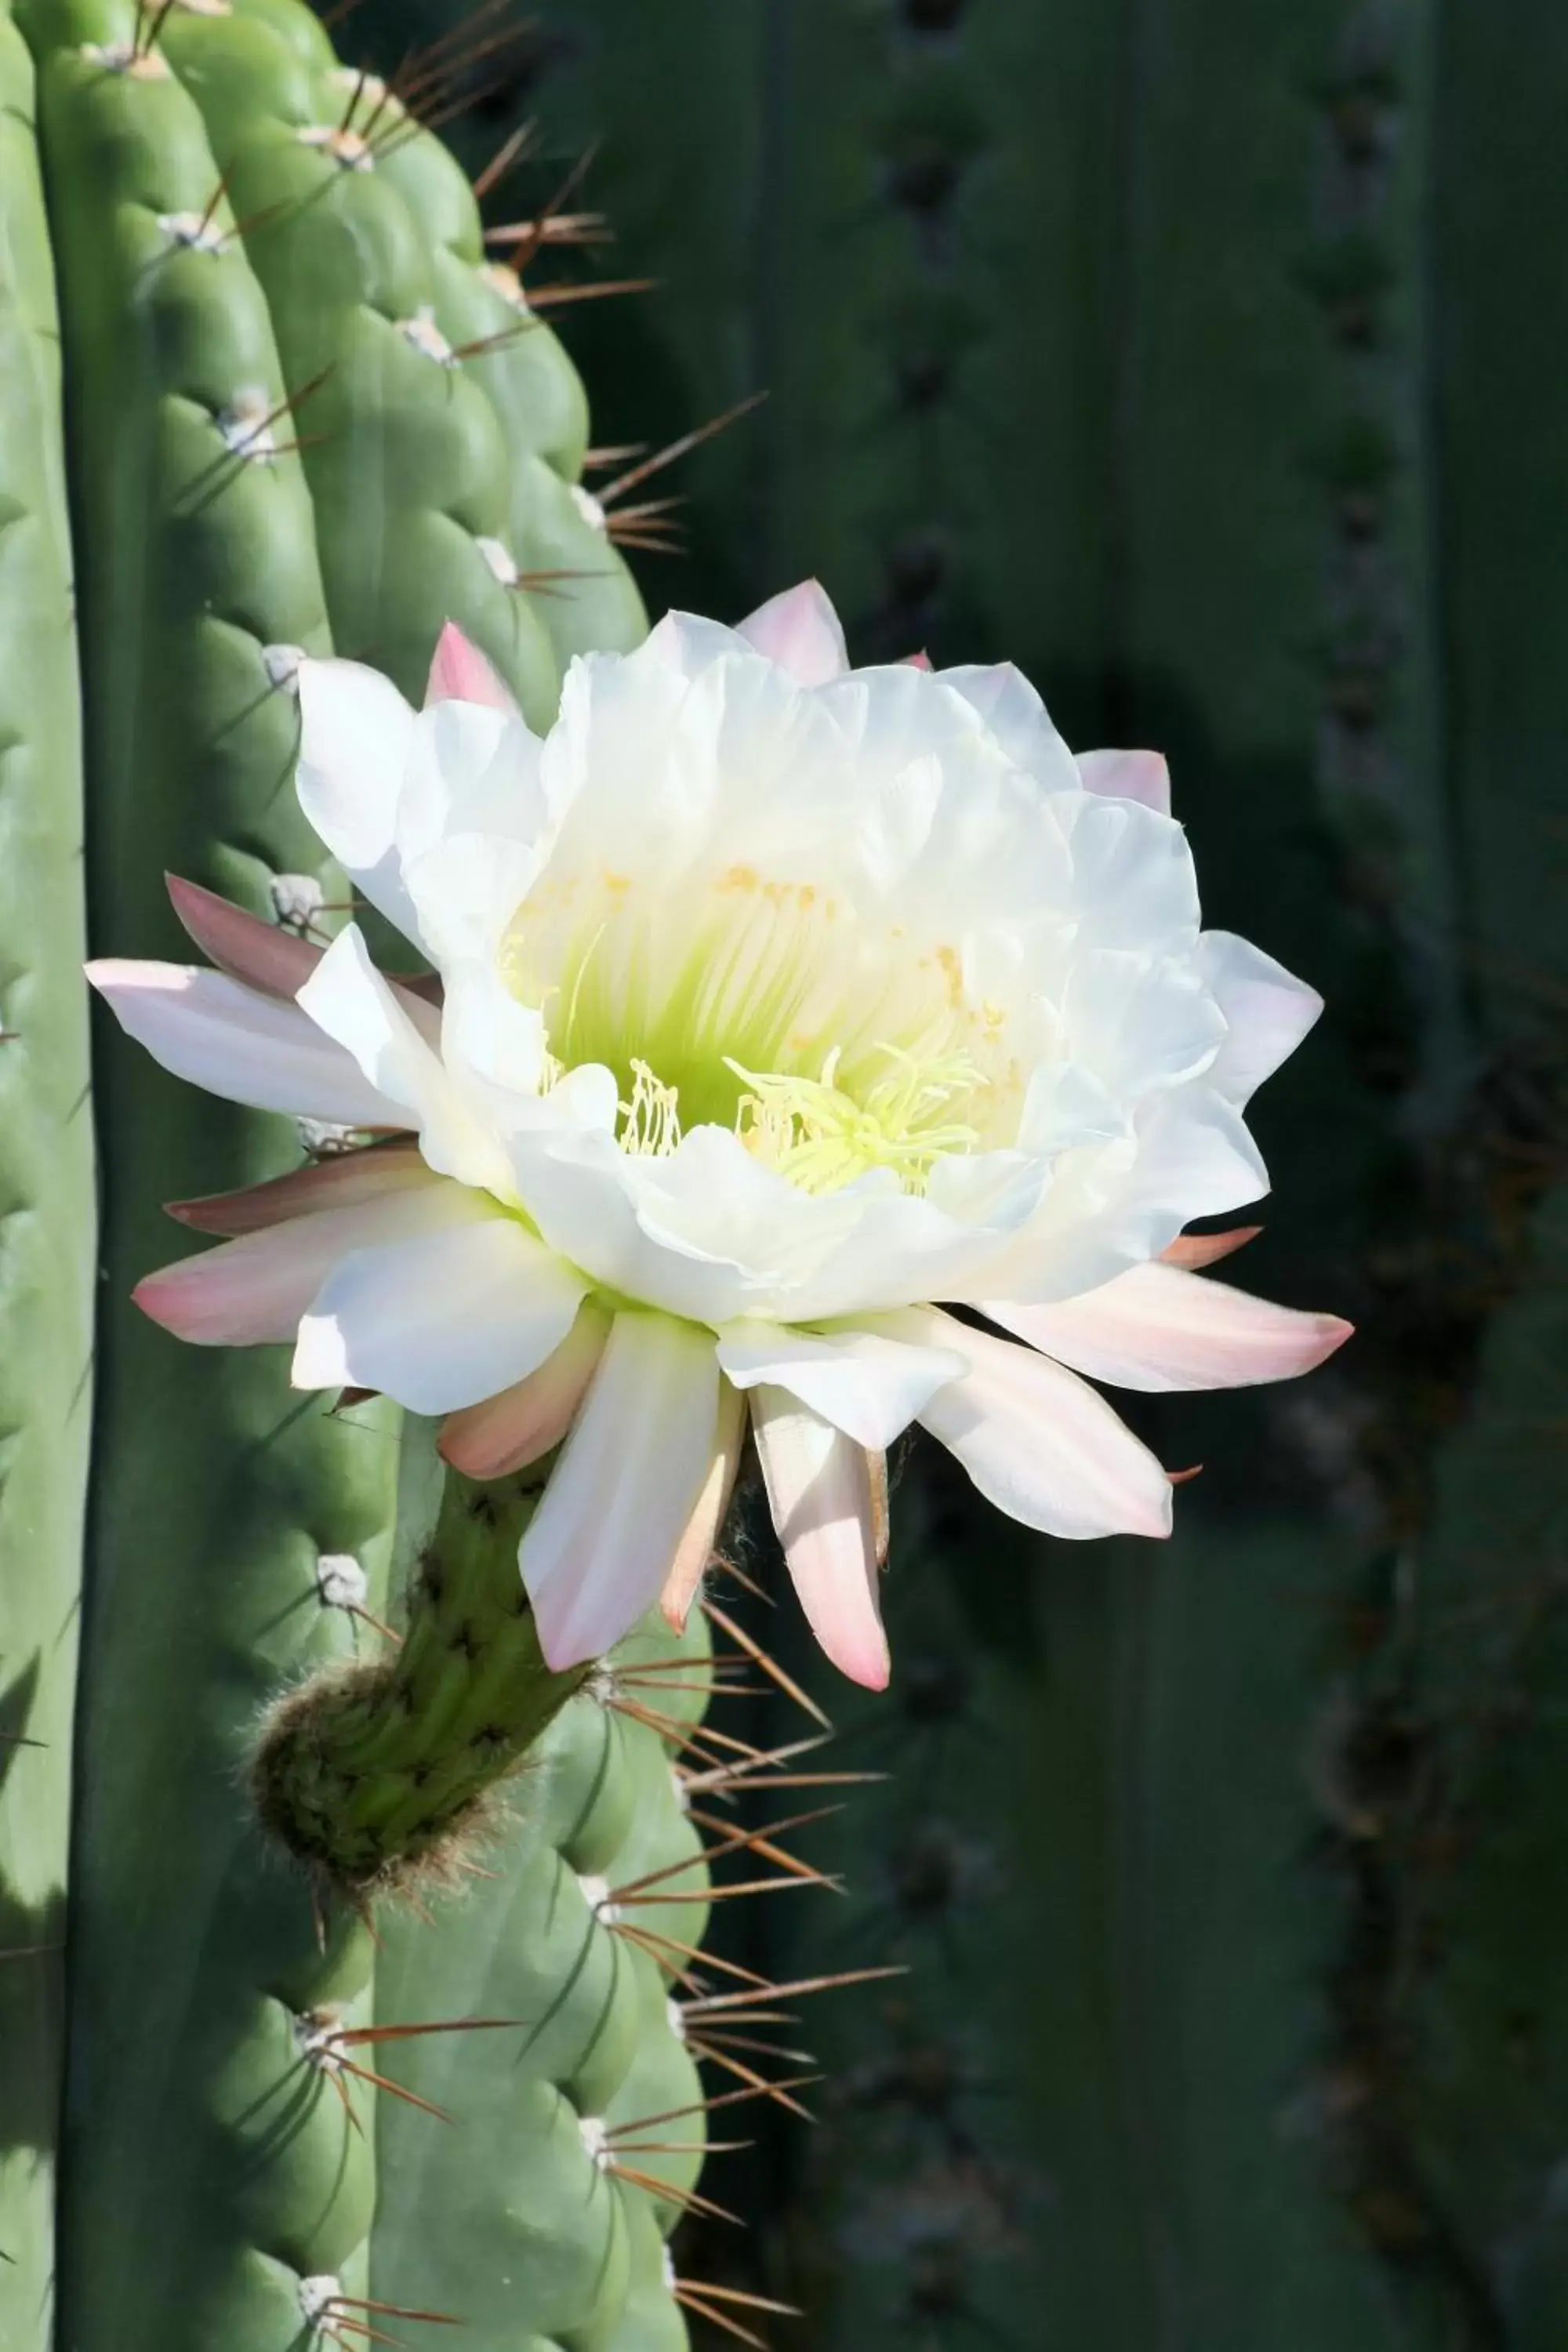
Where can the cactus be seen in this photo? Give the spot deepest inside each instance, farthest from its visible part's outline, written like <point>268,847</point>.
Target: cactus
<point>265,397</point>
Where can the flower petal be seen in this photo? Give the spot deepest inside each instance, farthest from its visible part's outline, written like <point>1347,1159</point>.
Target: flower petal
<point>507,1430</point>
<point>257,1288</point>
<point>442,1321</point>
<point>1194,1250</point>
<point>260,954</point>
<point>1039,1442</point>
<point>1270,1012</point>
<point>870,1387</point>
<point>1018,720</point>
<point>1157,1327</point>
<point>349,999</point>
<point>248,1048</point>
<point>343,1182</point>
<point>355,733</point>
<point>1140,776</point>
<point>800,630</point>
<point>706,1524</point>
<point>459,672</point>
<point>821,1497</point>
<point>625,1488</point>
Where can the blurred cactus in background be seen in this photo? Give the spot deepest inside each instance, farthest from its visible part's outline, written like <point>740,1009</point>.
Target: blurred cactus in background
<point>1188,356</point>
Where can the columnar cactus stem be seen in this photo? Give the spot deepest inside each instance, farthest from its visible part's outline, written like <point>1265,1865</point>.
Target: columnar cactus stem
<point>376,1775</point>
<point>47,1208</point>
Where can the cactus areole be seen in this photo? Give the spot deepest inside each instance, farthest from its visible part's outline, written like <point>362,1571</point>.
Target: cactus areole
<point>778,1001</point>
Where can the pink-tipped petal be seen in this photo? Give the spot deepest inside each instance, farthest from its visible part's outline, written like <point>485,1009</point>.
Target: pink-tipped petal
<point>259,1288</point>
<point>707,1521</point>
<point>1157,1327</point>
<point>506,1433</point>
<point>248,1048</point>
<point>1192,1251</point>
<point>340,1182</point>
<point>442,1320</point>
<point>917,661</point>
<point>277,962</point>
<point>1140,776</point>
<point>800,631</point>
<point>823,1509</point>
<point>461,673</point>
<point>621,1497</point>
<point>1036,1440</point>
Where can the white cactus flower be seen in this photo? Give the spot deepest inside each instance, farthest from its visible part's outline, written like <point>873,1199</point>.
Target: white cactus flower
<point>781,1008</point>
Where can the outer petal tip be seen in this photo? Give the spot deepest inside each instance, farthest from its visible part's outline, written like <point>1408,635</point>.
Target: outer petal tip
<point>872,1668</point>
<point>1140,776</point>
<point>801,632</point>
<point>459,672</point>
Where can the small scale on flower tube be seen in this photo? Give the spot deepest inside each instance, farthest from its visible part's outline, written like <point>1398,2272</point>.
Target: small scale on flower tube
<point>780,1004</point>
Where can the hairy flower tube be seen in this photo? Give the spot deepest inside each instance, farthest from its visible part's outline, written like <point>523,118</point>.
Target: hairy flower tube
<point>781,1008</point>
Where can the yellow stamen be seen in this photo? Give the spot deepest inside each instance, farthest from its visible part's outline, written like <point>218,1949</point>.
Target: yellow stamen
<point>820,1137</point>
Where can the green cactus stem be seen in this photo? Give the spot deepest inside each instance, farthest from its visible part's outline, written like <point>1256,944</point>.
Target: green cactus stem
<point>46,1207</point>
<point>376,1776</point>
<point>557,2242</point>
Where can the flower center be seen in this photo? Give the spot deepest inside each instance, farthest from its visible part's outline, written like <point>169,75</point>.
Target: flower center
<point>827,1048</point>
<point>813,1132</point>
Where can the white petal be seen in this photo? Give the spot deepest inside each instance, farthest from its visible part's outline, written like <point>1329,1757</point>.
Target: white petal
<point>258,1288</point>
<point>1140,776</point>
<point>1018,720</point>
<point>800,630</point>
<point>349,999</point>
<point>870,1387</point>
<point>1270,1012</point>
<point>706,1525</point>
<point>1039,1442</point>
<point>356,730</point>
<point>623,1490</point>
<point>507,1430</point>
<point>824,1506</point>
<point>440,1322</point>
<point>1157,1327</point>
<point>688,644</point>
<point>248,1048</point>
